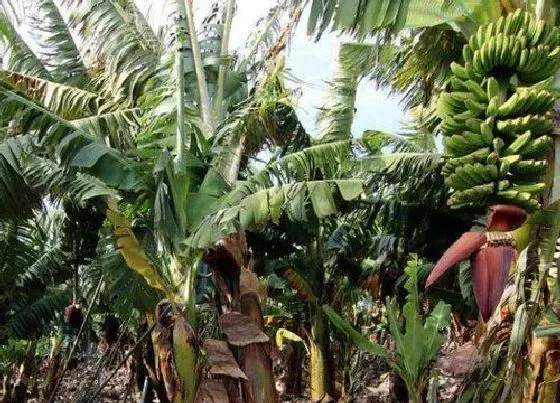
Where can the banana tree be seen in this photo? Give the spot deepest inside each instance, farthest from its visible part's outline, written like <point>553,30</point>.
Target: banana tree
<point>329,163</point>
<point>491,263</point>
<point>111,137</point>
<point>516,128</point>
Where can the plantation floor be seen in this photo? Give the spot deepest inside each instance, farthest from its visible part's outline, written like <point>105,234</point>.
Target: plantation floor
<point>372,382</point>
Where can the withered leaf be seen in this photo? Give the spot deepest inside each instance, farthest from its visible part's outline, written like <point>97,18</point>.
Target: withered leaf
<point>249,282</point>
<point>460,361</point>
<point>240,330</point>
<point>236,246</point>
<point>212,391</point>
<point>221,360</point>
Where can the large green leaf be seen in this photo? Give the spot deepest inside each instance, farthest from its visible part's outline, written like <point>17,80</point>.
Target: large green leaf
<point>428,13</point>
<point>118,127</point>
<point>252,209</point>
<point>56,181</point>
<point>30,320</point>
<point>331,159</point>
<point>17,198</point>
<point>18,56</point>
<point>79,149</point>
<point>125,62</point>
<point>368,16</point>
<point>321,198</point>
<point>56,46</point>
<point>336,115</point>
<point>358,17</point>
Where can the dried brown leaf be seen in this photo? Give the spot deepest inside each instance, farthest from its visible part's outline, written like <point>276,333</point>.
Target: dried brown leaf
<point>236,246</point>
<point>459,361</point>
<point>221,360</point>
<point>212,391</point>
<point>249,282</point>
<point>240,330</point>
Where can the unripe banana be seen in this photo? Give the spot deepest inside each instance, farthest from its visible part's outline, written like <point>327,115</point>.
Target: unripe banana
<point>498,118</point>
<point>537,148</point>
<point>473,125</point>
<point>520,142</point>
<point>534,188</point>
<point>528,170</point>
<point>538,124</point>
<point>492,158</point>
<point>459,71</point>
<point>486,133</point>
<point>467,53</point>
<point>498,144</point>
<point>479,155</point>
<point>493,88</point>
<point>493,107</point>
<point>477,91</point>
<point>476,108</point>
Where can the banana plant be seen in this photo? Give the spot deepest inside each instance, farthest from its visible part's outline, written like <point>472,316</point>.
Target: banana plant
<point>333,158</point>
<point>496,120</point>
<point>90,131</point>
<point>416,346</point>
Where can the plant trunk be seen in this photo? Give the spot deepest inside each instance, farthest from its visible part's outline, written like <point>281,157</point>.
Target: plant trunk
<point>149,359</point>
<point>347,380</point>
<point>415,396</point>
<point>185,356</point>
<point>7,386</point>
<point>255,360</point>
<point>171,349</point>
<point>223,60</point>
<point>20,386</point>
<point>237,291</point>
<point>205,105</point>
<point>550,390</point>
<point>543,353</point>
<point>54,367</point>
<point>321,365</point>
<point>295,363</point>
<point>320,371</point>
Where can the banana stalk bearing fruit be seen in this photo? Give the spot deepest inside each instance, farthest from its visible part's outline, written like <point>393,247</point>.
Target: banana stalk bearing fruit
<point>498,114</point>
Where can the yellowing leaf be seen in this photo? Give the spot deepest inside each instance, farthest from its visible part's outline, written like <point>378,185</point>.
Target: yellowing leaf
<point>184,357</point>
<point>132,252</point>
<point>284,334</point>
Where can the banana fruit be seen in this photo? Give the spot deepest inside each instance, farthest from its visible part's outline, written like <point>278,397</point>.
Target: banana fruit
<point>497,116</point>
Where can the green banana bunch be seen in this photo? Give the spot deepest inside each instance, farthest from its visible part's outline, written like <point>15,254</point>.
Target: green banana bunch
<point>497,115</point>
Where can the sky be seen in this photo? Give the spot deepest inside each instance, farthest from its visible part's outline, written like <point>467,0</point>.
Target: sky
<point>310,62</point>
<point>313,63</point>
